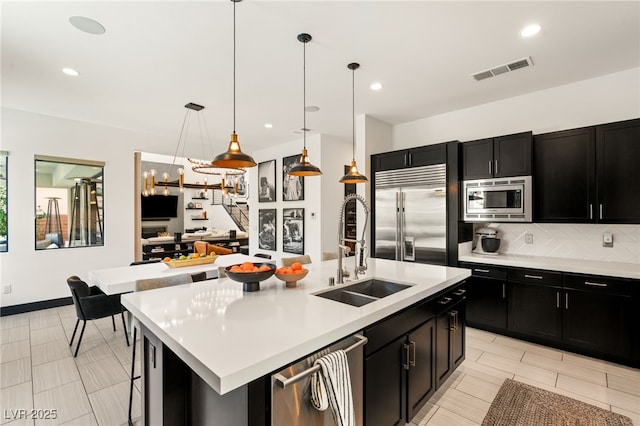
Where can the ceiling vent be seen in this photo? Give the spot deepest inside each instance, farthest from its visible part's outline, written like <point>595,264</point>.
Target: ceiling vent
<point>501,69</point>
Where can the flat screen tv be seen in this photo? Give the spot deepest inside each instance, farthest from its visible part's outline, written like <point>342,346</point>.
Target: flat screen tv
<point>159,207</point>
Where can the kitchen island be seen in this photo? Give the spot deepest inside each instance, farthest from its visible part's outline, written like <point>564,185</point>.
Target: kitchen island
<point>230,340</point>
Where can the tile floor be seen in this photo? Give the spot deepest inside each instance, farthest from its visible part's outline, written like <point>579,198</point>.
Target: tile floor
<point>38,371</point>
<point>490,358</point>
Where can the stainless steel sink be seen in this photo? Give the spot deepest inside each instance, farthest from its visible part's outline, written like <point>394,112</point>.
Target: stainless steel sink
<point>364,292</point>
<point>376,288</point>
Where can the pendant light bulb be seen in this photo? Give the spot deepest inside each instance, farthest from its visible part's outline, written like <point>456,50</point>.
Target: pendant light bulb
<point>234,157</point>
<point>353,176</point>
<point>304,166</point>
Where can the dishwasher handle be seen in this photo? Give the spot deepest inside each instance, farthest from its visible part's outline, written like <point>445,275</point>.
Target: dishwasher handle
<point>284,381</point>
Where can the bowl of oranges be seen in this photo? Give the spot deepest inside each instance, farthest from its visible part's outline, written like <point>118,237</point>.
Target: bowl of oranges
<point>291,274</point>
<point>250,274</point>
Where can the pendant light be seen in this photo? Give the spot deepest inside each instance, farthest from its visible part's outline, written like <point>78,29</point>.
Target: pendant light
<point>304,167</point>
<point>234,157</point>
<point>353,176</point>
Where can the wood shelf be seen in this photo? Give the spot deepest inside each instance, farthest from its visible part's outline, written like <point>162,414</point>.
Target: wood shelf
<point>199,198</point>
<point>193,208</point>
<point>199,218</point>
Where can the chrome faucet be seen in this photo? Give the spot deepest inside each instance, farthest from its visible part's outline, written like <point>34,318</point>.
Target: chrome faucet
<point>360,252</point>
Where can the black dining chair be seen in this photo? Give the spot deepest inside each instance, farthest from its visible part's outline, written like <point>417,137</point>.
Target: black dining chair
<point>199,276</point>
<point>92,303</point>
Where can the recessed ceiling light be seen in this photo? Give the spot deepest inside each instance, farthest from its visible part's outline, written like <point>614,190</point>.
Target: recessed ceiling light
<point>268,125</point>
<point>530,30</point>
<point>376,86</point>
<point>87,25</point>
<point>71,72</point>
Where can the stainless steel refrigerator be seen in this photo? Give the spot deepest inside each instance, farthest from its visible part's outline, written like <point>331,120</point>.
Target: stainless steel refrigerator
<point>411,214</point>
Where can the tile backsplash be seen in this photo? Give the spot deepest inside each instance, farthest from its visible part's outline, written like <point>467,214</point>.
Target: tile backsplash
<point>575,241</point>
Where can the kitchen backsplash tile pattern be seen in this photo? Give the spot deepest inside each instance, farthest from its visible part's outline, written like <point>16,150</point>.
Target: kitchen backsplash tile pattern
<point>574,241</point>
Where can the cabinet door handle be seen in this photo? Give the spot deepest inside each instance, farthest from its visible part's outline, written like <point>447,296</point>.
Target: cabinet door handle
<point>406,364</point>
<point>496,166</point>
<point>537,277</point>
<point>444,300</point>
<point>590,211</point>
<point>452,321</point>
<point>486,271</point>
<point>490,172</point>
<point>600,211</point>
<point>504,291</point>
<point>558,299</point>
<point>460,292</point>
<point>566,301</point>
<point>595,284</point>
<point>412,362</point>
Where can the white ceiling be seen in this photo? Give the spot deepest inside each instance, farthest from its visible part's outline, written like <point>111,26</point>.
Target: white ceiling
<point>156,56</point>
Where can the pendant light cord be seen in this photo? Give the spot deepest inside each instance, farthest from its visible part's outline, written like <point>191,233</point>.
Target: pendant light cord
<point>304,94</point>
<point>234,67</point>
<point>353,114</point>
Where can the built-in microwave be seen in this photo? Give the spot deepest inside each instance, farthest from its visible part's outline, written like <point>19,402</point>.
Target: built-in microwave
<point>498,200</point>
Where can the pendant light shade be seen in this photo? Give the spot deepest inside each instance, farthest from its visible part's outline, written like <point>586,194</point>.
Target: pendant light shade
<point>353,176</point>
<point>304,166</point>
<point>234,157</point>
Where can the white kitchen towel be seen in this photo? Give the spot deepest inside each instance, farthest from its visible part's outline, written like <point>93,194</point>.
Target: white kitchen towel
<point>333,383</point>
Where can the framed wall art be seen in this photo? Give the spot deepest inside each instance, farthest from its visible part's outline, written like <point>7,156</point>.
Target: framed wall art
<point>267,229</point>
<point>267,181</point>
<point>292,186</point>
<point>293,231</point>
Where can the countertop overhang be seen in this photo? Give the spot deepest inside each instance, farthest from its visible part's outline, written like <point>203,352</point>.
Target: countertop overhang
<point>230,338</point>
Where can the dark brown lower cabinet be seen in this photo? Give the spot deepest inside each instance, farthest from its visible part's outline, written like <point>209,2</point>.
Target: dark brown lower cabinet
<point>450,338</point>
<point>594,315</point>
<point>399,377</point>
<point>487,303</point>
<point>534,311</point>
<point>383,391</point>
<point>600,317</point>
<point>403,353</point>
<point>420,378</point>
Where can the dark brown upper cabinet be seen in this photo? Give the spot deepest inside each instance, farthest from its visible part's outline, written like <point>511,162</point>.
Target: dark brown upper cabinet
<point>414,157</point>
<point>502,156</point>
<point>587,175</point>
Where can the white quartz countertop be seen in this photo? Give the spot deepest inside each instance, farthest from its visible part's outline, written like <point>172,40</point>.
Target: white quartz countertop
<point>580,266</point>
<point>230,338</point>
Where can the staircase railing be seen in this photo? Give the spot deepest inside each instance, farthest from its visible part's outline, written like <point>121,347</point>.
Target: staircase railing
<point>236,212</point>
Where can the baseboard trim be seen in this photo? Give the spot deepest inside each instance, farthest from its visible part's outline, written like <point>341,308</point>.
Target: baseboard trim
<point>35,306</point>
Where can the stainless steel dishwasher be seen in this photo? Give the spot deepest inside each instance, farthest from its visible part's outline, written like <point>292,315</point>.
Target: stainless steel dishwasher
<point>290,390</point>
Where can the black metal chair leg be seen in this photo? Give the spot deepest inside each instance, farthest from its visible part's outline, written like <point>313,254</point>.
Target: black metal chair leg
<point>133,369</point>
<point>124,326</point>
<point>84,324</point>
<point>113,321</point>
<point>73,336</point>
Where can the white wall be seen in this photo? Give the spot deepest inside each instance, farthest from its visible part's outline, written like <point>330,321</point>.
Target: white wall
<point>612,97</point>
<point>609,98</point>
<point>322,194</point>
<point>41,275</point>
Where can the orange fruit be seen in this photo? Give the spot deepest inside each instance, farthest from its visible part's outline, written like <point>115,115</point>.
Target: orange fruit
<point>247,266</point>
<point>264,268</point>
<point>166,259</point>
<point>236,268</point>
<point>195,255</point>
<point>296,266</point>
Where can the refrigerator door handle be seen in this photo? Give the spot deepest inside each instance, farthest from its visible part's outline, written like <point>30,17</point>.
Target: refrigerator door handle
<point>398,226</point>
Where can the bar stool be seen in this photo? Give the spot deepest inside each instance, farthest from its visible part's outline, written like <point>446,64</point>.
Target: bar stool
<point>142,285</point>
